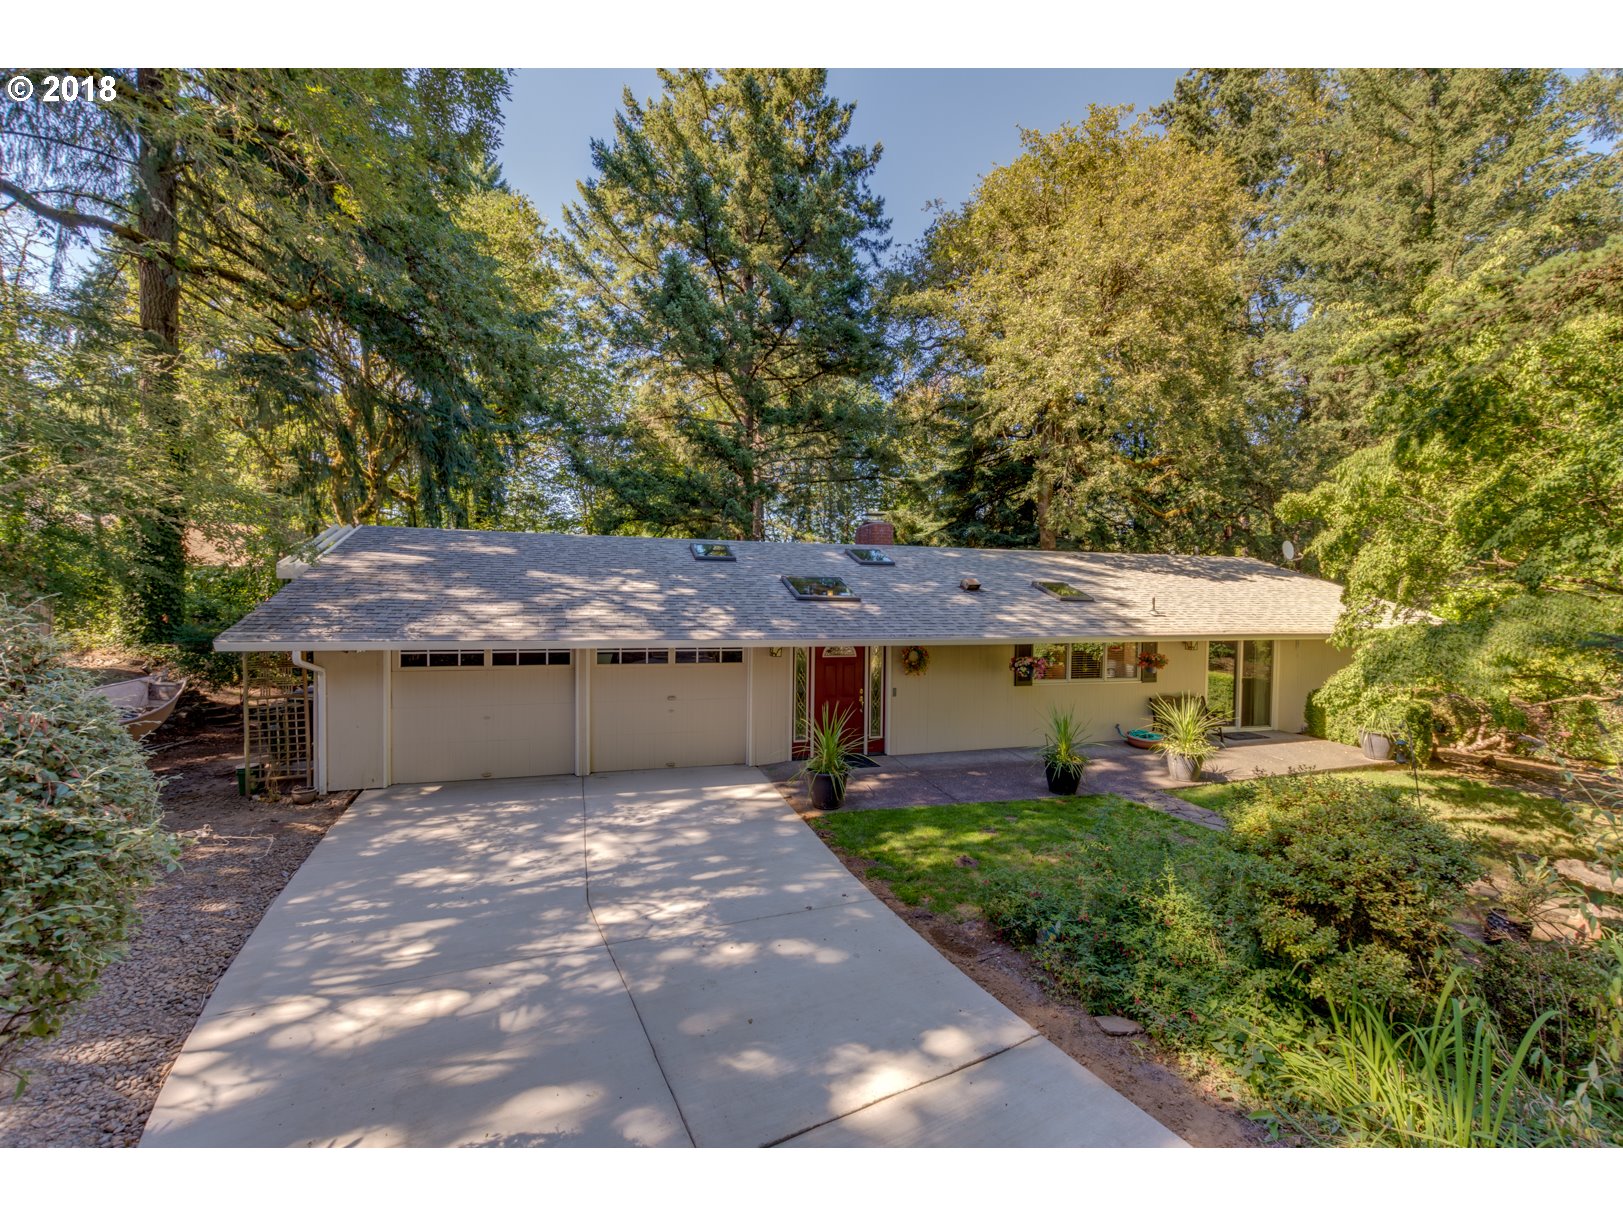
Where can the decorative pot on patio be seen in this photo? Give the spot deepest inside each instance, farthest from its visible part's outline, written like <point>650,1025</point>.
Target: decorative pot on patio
<point>1376,746</point>
<point>1062,779</point>
<point>827,791</point>
<point>1182,768</point>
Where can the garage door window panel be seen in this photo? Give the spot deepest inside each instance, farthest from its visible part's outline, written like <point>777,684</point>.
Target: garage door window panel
<point>529,659</point>
<point>442,659</point>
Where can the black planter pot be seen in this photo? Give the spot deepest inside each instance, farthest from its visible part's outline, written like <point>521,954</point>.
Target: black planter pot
<point>1062,781</point>
<point>827,792</point>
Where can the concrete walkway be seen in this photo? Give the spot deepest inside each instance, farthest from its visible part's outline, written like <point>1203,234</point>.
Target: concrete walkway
<point>663,958</point>
<point>990,775</point>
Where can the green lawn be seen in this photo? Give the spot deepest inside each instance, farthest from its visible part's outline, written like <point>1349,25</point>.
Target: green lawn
<point>918,850</point>
<point>1507,821</point>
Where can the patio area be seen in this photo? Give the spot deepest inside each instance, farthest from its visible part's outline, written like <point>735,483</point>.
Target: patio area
<point>1001,774</point>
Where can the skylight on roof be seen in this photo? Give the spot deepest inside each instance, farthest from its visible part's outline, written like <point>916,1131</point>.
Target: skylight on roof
<point>819,587</point>
<point>867,555</point>
<point>1059,590</point>
<point>713,551</point>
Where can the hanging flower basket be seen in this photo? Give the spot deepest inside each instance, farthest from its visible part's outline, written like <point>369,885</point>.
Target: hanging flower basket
<point>915,660</point>
<point>1028,667</point>
<point>1154,661</point>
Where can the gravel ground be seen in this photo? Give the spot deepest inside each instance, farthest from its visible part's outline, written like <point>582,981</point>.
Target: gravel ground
<point>95,1083</point>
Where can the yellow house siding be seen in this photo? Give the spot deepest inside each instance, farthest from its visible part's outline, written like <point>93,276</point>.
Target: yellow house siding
<point>771,703</point>
<point>1302,665</point>
<point>967,699</point>
<point>356,713</point>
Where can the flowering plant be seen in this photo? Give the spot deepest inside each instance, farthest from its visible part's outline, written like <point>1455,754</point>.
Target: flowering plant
<point>914,660</point>
<point>1029,667</point>
<point>1153,660</point>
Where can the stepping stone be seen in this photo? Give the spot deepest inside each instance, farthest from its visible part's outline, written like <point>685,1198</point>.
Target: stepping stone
<point>1112,1024</point>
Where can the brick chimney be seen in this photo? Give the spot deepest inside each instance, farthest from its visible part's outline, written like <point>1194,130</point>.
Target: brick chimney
<point>874,531</point>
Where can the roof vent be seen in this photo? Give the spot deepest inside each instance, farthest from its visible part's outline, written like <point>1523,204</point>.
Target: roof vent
<point>969,584</point>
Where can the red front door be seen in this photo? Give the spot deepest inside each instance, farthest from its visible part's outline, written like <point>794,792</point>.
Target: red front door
<point>837,678</point>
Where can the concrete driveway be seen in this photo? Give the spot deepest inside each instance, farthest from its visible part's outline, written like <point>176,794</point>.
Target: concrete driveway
<point>657,958</point>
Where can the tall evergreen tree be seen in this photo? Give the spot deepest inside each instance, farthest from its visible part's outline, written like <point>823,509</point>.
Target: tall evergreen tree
<point>723,248</point>
<point>266,197</point>
<point>1371,183</point>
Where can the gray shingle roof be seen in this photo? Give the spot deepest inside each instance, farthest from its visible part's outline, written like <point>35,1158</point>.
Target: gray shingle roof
<point>384,587</point>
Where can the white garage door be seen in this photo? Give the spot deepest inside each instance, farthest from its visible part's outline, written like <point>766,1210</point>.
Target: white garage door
<point>453,723</point>
<point>687,710</point>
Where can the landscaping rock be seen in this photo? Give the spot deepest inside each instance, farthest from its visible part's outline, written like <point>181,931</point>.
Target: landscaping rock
<point>1112,1024</point>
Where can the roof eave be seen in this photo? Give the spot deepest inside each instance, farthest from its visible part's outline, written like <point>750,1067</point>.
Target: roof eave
<point>240,646</point>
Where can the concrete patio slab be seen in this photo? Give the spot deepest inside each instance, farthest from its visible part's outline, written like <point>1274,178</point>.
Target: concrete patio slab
<point>992,775</point>
<point>770,1027</point>
<point>1026,1097</point>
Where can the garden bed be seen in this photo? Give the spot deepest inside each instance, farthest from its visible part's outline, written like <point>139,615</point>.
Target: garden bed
<point>94,1084</point>
<point>1235,950</point>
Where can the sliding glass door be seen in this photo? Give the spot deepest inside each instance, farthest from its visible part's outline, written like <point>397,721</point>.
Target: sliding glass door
<point>1240,681</point>
<point>1257,683</point>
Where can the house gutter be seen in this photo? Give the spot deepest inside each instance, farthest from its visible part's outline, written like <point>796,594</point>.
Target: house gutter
<point>321,715</point>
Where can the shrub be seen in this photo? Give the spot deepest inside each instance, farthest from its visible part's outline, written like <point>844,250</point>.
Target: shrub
<point>1131,926</point>
<point>1529,667</point>
<point>79,834</point>
<point>1353,886</point>
<point>1520,981</point>
<point>216,597</point>
<point>192,654</point>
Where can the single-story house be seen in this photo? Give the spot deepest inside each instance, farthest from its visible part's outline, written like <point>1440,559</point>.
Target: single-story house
<point>443,654</point>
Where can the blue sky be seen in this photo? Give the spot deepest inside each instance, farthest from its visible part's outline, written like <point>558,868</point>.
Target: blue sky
<point>941,128</point>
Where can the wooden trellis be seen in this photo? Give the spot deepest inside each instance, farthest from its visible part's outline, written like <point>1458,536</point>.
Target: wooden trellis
<point>277,724</point>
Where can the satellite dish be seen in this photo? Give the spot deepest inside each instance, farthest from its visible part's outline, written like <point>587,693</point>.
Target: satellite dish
<point>1290,552</point>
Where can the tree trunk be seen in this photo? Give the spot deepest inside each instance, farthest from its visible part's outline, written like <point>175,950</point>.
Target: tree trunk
<point>159,588</point>
<point>752,488</point>
<point>1047,534</point>
<point>1047,537</point>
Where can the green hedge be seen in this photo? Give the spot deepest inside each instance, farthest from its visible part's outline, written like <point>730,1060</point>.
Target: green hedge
<point>79,834</point>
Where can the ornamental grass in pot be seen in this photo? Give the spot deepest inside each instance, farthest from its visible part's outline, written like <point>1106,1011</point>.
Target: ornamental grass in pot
<point>1380,728</point>
<point>1063,758</point>
<point>1186,727</point>
<point>826,767</point>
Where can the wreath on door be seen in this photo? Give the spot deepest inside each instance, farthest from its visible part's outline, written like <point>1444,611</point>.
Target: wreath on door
<point>915,660</point>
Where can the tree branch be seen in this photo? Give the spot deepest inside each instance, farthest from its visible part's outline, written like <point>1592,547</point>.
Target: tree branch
<point>68,219</point>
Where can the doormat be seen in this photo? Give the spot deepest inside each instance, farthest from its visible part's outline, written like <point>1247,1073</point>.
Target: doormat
<point>1242,735</point>
<point>857,761</point>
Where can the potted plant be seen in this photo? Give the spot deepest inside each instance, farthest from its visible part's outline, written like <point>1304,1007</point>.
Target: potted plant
<point>1186,727</point>
<point>1380,728</point>
<point>1063,758</point>
<point>826,767</point>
